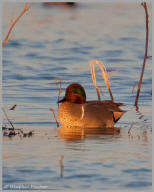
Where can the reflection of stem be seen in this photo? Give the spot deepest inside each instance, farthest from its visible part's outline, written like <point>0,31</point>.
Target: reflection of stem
<point>61,166</point>
<point>130,127</point>
<point>7,118</point>
<point>13,24</point>
<point>146,53</point>
<point>54,116</point>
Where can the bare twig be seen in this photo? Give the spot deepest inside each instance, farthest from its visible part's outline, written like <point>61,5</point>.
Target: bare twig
<point>104,75</point>
<point>7,118</point>
<point>26,8</point>
<point>54,116</point>
<point>146,53</point>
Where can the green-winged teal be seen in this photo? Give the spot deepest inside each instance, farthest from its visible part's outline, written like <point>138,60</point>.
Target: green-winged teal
<point>75,111</point>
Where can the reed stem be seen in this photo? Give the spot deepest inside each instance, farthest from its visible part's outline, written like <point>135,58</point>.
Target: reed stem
<point>146,53</point>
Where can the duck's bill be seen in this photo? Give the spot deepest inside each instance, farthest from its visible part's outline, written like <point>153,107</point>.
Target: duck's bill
<point>62,100</point>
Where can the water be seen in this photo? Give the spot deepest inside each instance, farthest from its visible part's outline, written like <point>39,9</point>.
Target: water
<point>58,42</point>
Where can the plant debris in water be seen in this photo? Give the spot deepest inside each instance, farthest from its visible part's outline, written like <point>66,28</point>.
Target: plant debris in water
<point>10,132</point>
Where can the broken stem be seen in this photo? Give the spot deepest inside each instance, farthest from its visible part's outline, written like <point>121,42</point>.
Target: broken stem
<point>7,118</point>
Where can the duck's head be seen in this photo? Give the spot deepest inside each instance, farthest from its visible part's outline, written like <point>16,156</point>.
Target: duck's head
<point>75,93</point>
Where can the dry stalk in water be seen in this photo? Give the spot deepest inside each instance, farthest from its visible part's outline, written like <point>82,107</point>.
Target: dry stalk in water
<point>104,75</point>
<point>94,80</point>
<point>54,116</point>
<point>26,8</point>
<point>146,53</point>
<point>57,80</point>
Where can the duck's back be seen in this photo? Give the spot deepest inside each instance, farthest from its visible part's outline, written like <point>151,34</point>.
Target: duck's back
<point>91,114</point>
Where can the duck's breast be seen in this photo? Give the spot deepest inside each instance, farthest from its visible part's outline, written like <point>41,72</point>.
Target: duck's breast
<point>70,114</point>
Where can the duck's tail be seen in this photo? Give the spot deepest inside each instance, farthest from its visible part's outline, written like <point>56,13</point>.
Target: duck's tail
<point>117,115</point>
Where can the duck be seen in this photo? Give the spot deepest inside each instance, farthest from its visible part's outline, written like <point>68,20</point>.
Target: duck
<point>75,111</point>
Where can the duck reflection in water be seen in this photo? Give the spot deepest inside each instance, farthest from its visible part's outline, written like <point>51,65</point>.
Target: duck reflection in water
<point>80,133</point>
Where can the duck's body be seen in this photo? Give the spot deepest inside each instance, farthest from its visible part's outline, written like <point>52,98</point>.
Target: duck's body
<point>87,114</point>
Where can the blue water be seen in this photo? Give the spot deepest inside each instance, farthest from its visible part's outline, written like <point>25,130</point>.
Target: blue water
<point>58,42</point>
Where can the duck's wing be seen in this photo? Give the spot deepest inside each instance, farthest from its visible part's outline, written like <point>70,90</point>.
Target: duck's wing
<point>108,105</point>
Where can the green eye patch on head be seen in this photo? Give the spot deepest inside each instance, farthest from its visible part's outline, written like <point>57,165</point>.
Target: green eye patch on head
<point>79,91</point>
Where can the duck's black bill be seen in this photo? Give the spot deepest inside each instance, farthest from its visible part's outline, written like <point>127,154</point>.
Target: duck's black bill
<point>62,100</point>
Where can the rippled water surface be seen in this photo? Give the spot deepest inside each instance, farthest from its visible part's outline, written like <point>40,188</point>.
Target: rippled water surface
<point>59,42</point>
